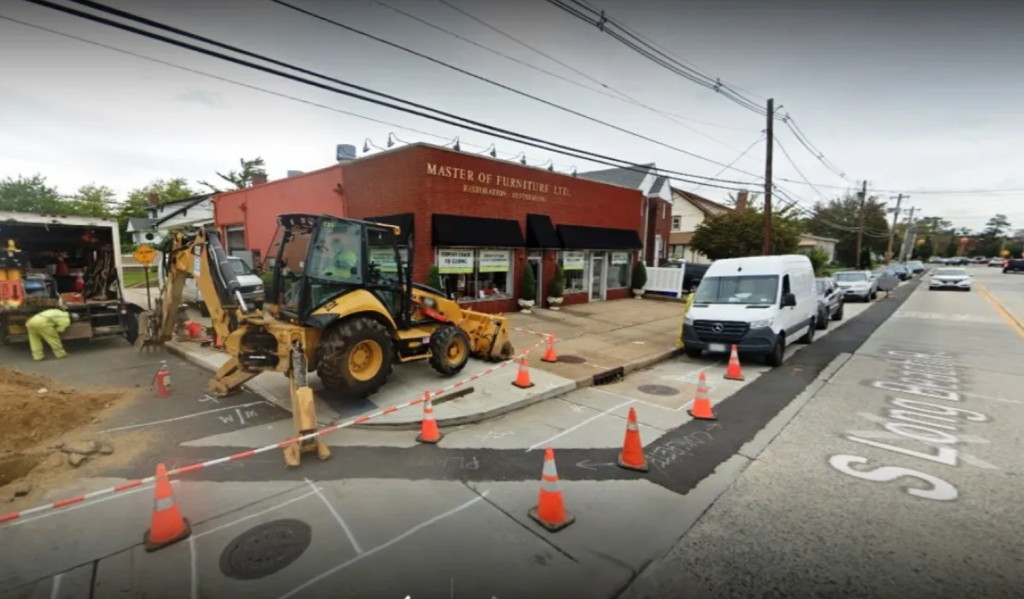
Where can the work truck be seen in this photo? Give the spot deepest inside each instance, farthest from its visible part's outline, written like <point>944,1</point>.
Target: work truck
<point>70,262</point>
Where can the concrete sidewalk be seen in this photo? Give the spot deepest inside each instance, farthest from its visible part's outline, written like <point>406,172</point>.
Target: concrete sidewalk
<point>594,339</point>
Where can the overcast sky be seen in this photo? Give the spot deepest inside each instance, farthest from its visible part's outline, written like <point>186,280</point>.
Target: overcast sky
<point>924,98</point>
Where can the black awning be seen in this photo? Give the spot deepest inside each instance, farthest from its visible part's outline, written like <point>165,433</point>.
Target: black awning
<point>469,231</point>
<point>598,238</point>
<point>540,232</point>
<point>403,221</point>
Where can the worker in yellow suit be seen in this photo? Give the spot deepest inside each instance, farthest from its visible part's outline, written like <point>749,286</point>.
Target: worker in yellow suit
<point>48,326</point>
<point>686,310</point>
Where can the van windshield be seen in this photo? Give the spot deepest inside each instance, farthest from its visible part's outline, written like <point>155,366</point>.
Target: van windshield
<point>747,289</point>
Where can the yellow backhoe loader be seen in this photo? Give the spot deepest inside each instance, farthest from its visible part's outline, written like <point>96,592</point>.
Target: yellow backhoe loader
<point>340,302</point>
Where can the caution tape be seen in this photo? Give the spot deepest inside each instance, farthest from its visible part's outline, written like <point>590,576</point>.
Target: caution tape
<point>133,484</point>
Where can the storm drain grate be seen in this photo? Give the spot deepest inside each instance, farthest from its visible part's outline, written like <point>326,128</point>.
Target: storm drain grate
<point>265,549</point>
<point>663,390</point>
<point>570,359</point>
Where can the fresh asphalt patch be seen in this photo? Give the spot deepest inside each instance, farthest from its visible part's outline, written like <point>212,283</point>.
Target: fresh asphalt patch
<point>678,460</point>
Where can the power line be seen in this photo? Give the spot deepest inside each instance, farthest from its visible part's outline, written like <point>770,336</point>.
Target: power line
<point>471,126</point>
<point>735,160</point>
<point>789,159</point>
<point>508,88</point>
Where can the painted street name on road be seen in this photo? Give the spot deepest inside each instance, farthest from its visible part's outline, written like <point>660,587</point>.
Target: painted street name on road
<point>934,425</point>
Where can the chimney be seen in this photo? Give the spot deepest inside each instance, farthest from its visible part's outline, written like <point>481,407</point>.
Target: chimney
<point>154,200</point>
<point>259,179</point>
<point>741,200</point>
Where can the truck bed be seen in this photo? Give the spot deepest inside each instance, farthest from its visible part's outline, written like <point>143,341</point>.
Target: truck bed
<point>98,319</point>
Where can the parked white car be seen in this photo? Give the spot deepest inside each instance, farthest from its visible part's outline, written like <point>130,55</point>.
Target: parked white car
<point>950,278</point>
<point>250,286</point>
<point>856,284</point>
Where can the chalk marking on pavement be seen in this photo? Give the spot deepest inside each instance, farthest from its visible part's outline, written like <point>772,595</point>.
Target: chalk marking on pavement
<point>251,516</point>
<point>577,426</point>
<point>185,417</point>
<point>1002,310</point>
<point>337,516</point>
<point>193,564</point>
<point>385,545</point>
<point>81,505</point>
<point>55,589</point>
<point>646,403</point>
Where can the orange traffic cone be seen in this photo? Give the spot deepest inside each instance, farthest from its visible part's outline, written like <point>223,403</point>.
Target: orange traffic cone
<point>167,526</point>
<point>550,511</point>
<point>549,353</point>
<point>701,409</point>
<point>523,376</point>
<point>733,372</point>
<point>429,433</point>
<point>632,456</point>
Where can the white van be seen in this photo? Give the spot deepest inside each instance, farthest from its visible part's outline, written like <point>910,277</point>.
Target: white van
<point>761,304</point>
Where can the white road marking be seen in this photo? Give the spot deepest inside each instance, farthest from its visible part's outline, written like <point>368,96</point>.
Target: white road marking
<point>646,403</point>
<point>577,426</point>
<point>193,568</point>
<point>337,516</point>
<point>251,516</point>
<point>55,589</point>
<point>185,417</point>
<point>82,505</point>
<point>876,434</point>
<point>1001,399</point>
<point>384,546</point>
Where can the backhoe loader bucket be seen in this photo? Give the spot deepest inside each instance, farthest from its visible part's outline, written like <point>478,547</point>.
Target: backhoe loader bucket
<point>488,335</point>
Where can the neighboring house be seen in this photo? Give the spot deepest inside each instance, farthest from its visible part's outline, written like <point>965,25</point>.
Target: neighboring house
<point>160,218</point>
<point>657,206</point>
<point>826,244</point>
<point>688,211</point>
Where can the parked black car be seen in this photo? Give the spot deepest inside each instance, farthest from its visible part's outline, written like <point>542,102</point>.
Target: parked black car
<point>692,276</point>
<point>1013,266</point>
<point>830,302</point>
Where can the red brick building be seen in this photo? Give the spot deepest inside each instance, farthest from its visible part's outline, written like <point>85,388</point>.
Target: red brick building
<point>480,220</point>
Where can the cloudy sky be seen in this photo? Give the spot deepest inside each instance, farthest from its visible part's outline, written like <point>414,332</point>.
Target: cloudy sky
<point>921,99</point>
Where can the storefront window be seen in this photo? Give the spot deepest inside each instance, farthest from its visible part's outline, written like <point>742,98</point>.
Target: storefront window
<point>475,275</point>
<point>618,270</point>
<point>575,266</point>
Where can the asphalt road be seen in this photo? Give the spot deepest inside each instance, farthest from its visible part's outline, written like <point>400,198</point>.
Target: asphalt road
<point>369,522</point>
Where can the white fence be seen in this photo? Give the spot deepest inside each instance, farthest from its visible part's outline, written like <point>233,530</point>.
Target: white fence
<point>665,280</point>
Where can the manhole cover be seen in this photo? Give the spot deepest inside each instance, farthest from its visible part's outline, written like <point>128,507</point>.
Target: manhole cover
<point>658,390</point>
<point>265,549</point>
<point>568,359</point>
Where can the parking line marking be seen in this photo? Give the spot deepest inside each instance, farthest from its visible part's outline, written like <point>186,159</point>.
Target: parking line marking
<point>1002,310</point>
<point>385,545</point>
<point>337,516</point>
<point>55,589</point>
<point>577,426</point>
<point>251,516</point>
<point>185,417</point>
<point>193,569</point>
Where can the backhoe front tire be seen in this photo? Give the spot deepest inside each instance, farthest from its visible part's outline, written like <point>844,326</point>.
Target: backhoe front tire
<point>356,358</point>
<point>449,349</point>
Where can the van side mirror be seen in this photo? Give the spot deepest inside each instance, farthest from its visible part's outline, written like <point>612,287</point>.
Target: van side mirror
<point>788,300</point>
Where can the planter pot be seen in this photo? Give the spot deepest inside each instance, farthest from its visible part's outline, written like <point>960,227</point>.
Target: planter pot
<point>554,303</point>
<point>638,293</point>
<point>525,305</point>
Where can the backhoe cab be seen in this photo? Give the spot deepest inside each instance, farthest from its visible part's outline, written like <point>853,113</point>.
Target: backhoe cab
<point>345,283</point>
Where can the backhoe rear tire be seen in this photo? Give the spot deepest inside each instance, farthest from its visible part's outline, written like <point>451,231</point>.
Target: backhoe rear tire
<point>449,349</point>
<point>356,357</point>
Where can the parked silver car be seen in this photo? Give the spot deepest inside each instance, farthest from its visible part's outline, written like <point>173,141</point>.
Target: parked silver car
<point>857,285</point>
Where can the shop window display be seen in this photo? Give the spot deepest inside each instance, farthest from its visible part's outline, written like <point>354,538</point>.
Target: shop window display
<point>575,266</point>
<point>476,274</point>
<point>618,270</point>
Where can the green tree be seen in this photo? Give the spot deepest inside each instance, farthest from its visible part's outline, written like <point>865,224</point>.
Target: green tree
<point>528,285</point>
<point>740,233</point>
<point>241,178</point>
<point>924,251</point>
<point>98,201</point>
<point>951,246</point>
<point>840,220</point>
<point>997,226</point>
<point>32,194</point>
<point>819,258</point>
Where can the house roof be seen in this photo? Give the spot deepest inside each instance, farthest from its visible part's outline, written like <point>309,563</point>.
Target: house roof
<point>806,237</point>
<point>703,204</point>
<point>140,224</point>
<point>624,177</point>
<point>659,184</point>
<point>179,207</point>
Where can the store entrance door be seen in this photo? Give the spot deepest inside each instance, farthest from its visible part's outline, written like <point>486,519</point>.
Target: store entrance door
<point>597,277</point>
<point>536,262</point>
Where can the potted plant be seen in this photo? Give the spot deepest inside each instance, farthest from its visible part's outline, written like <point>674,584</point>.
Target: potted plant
<point>556,289</point>
<point>639,279</point>
<point>527,289</point>
<point>434,278</point>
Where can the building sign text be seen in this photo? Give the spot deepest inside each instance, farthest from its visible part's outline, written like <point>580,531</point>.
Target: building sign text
<point>498,185</point>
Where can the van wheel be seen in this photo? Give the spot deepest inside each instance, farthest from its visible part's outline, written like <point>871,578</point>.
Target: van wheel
<point>775,358</point>
<point>809,335</point>
<point>692,352</point>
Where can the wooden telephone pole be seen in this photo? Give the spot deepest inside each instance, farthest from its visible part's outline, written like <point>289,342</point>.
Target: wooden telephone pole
<point>860,221</point>
<point>770,136</point>
<point>892,232</point>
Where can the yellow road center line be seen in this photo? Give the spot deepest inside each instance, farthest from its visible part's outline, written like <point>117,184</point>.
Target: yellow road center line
<point>1002,310</point>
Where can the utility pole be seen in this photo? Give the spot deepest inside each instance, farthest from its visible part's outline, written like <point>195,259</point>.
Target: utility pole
<point>860,221</point>
<point>770,136</point>
<point>908,238</point>
<point>892,233</point>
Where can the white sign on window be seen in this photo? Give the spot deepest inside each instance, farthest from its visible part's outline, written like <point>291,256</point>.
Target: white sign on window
<point>450,262</point>
<point>495,260</point>
<point>573,260</point>
<point>384,259</point>
<point>620,258</point>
